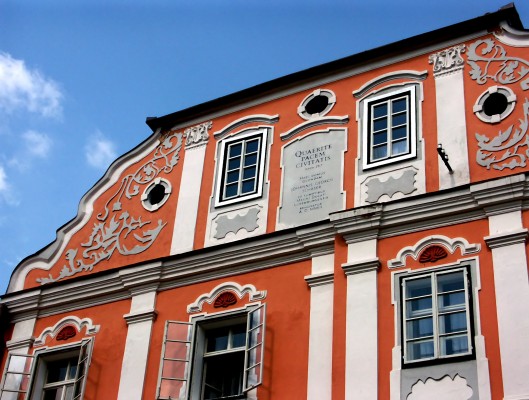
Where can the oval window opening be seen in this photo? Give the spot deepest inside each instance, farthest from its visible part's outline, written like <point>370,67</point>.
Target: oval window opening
<point>317,105</point>
<point>156,194</point>
<point>495,104</point>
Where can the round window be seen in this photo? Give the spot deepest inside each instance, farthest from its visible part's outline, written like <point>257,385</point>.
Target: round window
<point>317,104</point>
<point>156,194</point>
<point>495,104</point>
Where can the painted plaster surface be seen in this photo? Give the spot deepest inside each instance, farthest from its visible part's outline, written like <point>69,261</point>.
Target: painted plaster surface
<point>404,184</point>
<point>312,178</point>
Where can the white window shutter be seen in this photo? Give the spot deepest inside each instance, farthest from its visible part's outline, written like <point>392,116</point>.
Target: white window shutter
<point>175,363</point>
<point>255,336</point>
<point>17,377</point>
<point>82,369</point>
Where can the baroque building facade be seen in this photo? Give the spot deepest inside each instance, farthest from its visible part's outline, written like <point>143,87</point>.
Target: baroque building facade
<point>356,230</point>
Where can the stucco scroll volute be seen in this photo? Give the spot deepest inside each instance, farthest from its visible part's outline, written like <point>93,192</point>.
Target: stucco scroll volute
<point>448,61</point>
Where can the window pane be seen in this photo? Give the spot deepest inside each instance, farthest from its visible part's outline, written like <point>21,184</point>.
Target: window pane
<point>217,339</point>
<point>234,163</point>
<point>174,369</point>
<point>223,375</point>
<point>57,370</point>
<point>73,370</point>
<point>380,152</point>
<point>418,328</point>
<point>231,190</point>
<point>174,389</point>
<point>380,137</point>
<point>380,124</point>
<point>69,393</point>
<point>53,394</point>
<point>454,345</point>
<point>398,119</point>
<point>250,160</point>
<point>399,147</point>
<point>455,322</point>
<point>399,105</point>
<point>420,350</point>
<point>380,110</point>
<point>419,307</point>
<point>238,336</point>
<point>252,146</point>
<point>451,301</point>
<point>249,173</point>
<point>235,150</point>
<point>418,287</point>
<point>248,186</point>
<point>450,282</point>
<point>232,176</point>
<point>400,133</point>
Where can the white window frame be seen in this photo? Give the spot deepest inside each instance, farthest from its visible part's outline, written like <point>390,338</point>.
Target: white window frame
<point>435,313</point>
<point>408,91</point>
<point>32,378</point>
<point>222,167</point>
<point>193,345</point>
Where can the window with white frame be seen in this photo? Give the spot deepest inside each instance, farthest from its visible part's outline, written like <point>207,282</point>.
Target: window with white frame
<point>213,357</point>
<point>389,126</point>
<point>47,375</point>
<point>241,169</point>
<point>436,320</point>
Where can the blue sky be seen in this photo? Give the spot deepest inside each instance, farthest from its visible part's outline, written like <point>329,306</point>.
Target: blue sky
<point>78,78</point>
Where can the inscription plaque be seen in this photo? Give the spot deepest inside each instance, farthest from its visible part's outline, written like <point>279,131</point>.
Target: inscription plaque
<point>312,178</point>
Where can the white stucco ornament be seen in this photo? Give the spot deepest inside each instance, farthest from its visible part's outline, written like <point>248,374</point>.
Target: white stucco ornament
<point>445,388</point>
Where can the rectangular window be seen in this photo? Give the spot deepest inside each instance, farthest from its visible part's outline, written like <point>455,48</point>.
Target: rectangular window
<point>226,361</point>
<point>389,126</point>
<point>436,316</point>
<point>56,375</point>
<point>241,171</point>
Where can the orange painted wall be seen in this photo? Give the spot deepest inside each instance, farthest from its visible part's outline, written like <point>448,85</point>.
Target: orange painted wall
<point>287,327</point>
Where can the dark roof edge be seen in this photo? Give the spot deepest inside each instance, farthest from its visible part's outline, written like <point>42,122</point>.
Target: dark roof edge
<point>507,13</point>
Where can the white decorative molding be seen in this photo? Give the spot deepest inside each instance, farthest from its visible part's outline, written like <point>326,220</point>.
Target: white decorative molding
<point>512,37</point>
<point>147,315</point>
<point>506,238</point>
<point>448,60</point>
<point>379,80</point>
<point>197,135</point>
<point>359,267</point>
<point>259,118</point>
<point>325,278</point>
<point>478,108</point>
<point>317,121</point>
<point>239,290</point>
<point>441,389</point>
<point>70,320</point>
<point>450,244</point>
<point>331,101</point>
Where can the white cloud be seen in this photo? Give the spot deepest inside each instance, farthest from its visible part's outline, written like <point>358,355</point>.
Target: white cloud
<point>37,144</point>
<point>99,151</point>
<point>22,88</point>
<point>6,193</point>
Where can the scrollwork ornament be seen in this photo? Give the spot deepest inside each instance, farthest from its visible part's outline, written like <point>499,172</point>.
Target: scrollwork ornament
<point>508,149</point>
<point>448,60</point>
<point>197,135</point>
<point>489,60</point>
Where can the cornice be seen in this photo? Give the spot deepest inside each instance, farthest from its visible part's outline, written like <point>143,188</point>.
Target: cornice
<point>141,316</point>
<point>506,239</point>
<point>13,345</point>
<point>361,266</point>
<point>326,278</point>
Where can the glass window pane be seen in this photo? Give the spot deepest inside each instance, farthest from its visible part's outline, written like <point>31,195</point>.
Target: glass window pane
<point>451,301</point>
<point>69,393</point>
<point>450,282</point>
<point>175,389</point>
<point>399,105</point>
<point>418,328</point>
<point>398,119</point>
<point>418,287</point>
<point>217,339</point>
<point>232,190</point>
<point>380,152</point>
<point>232,176</point>
<point>451,345</point>
<point>420,350</point>
<point>400,147</point>
<point>248,186</point>
<point>53,394</point>
<point>380,110</point>
<point>419,307</point>
<point>239,336</point>
<point>235,150</point>
<point>252,146</point>
<point>249,173</point>
<point>380,124</point>
<point>234,163</point>
<point>380,137</point>
<point>73,370</point>
<point>250,160</point>
<point>400,133</point>
<point>57,371</point>
<point>455,322</point>
<point>174,369</point>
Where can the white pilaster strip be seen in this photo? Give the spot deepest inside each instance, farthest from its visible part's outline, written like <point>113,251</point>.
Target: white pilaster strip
<point>188,197</point>
<point>361,353</point>
<point>451,121</point>
<point>507,243</point>
<point>319,386</point>
<point>139,320</point>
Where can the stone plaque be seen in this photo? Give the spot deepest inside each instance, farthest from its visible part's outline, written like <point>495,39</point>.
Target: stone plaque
<point>312,178</point>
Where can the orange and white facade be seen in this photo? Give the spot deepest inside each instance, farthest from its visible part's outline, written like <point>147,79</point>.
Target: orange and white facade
<point>352,231</point>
